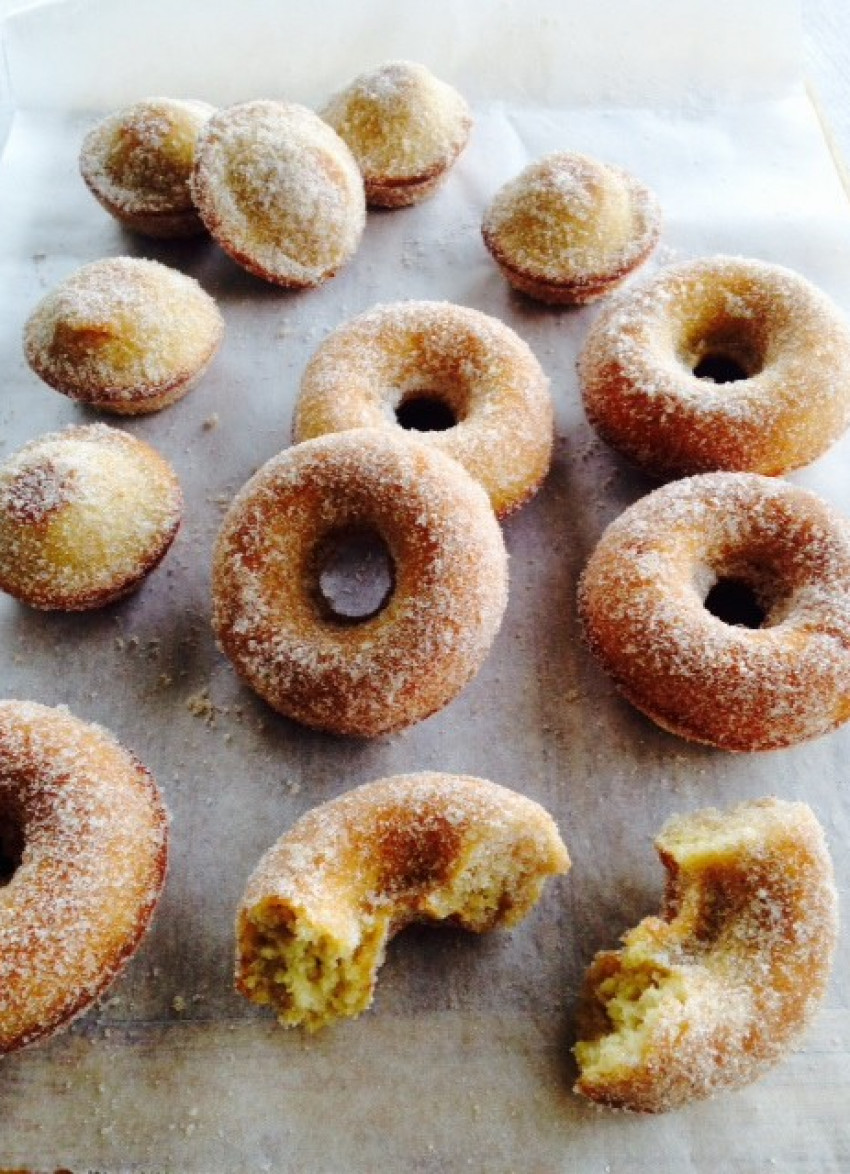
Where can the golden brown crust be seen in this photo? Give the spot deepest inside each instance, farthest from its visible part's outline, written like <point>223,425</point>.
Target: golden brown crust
<point>430,638</point>
<point>719,988</point>
<point>468,362</point>
<point>94,830</point>
<point>642,601</point>
<point>85,515</point>
<point>789,347</point>
<point>351,873</point>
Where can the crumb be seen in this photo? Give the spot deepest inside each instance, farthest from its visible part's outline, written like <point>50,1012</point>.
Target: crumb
<point>200,705</point>
<point>179,1004</point>
<point>211,423</point>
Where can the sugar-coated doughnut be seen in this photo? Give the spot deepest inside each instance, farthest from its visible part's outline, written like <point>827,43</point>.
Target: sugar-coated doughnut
<point>83,852</point>
<point>723,363</point>
<point>323,902</point>
<point>720,605</point>
<point>405,128</point>
<point>437,356</point>
<point>717,989</point>
<point>433,630</point>
<point>124,335</point>
<point>569,229</point>
<point>280,192</point>
<point>85,515</point>
<point>138,163</point>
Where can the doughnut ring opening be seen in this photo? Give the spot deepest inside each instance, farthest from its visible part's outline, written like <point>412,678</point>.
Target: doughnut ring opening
<point>316,916</point>
<point>720,605</point>
<point>719,364</point>
<point>717,989</point>
<point>83,853</point>
<point>463,380</point>
<point>372,674</point>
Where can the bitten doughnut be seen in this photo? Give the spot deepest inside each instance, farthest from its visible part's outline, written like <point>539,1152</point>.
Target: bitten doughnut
<point>720,605</point>
<point>463,380</point>
<point>85,515</point>
<point>280,192</point>
<point>717,989</point>
<point>405,128</point>
<point>428,636</point>
<point>124,335</point>
<point>318,912</point>
<point>569,229</point>
<point>138,163</point>
<point>719,364</point>
<point>83,852</point>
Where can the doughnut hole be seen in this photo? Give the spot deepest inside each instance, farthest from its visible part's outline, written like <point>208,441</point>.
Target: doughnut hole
<point>745,594</point>
<point>425,411</point>
<point>723,341</point>
<point>353,575</point>
<point>12,841</point>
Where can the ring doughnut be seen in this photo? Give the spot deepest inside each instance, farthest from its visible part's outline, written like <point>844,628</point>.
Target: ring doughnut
<point>463,377</point>
<point>428,637</point>
<point>83,852</point>
<point>718,988</point>
<point>720,605</point>
<point>719,364</point>
<point>318,912</point>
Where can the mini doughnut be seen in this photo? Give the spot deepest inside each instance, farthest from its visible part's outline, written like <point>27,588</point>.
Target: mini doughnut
<point>124,335</point>
<point>720,605</point>
<point>280,192</point>
<point>426,359</point>
<point>717,989</point>
<point>405,128</point>
<point>318,912</point>
<point>569,229</point>
<point>83,853</point>
<point>85,515</point>
<point>719,364</point>
<point>138,162</point>
<point>428,637</point>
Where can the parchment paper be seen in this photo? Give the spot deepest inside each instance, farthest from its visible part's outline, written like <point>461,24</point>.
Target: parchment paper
<point>463,1062</point>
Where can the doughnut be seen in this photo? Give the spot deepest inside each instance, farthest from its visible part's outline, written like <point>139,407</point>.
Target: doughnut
<point>280,192</point>
<point>720,605</point>
<point>137,163</point>
<point>85,515</point>
<point>719,364</point>
<point>426,638</point>
<point>124,335</point>
<point>83,852</point>
<point>316,916</point>
<point>440,365</point>
<point>717,989</point>
<point>569,229</point>
<point>405,128</point>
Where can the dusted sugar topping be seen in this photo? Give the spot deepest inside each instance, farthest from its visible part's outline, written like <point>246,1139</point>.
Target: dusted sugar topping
<point>90,831</point>
<point>121,334</point>
<point>280,191</point>
<point>402,124</point>
<point>722,985</point>
<point>449,581</point>
<point>719,363</point>
<point>324,900</point>
<point>466,363</point>
<point>84,515</point>
<point>645,599</point>
<point>140,159</point>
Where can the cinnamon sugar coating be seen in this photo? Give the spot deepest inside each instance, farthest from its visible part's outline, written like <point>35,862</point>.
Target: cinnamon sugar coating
<point>781,347</point>
<point>569,229</point>
<point>280,192</point>
<point>88,830</point>
<point>434,630</point>
<point>721,986</point>
<point>405,128</point>
<point>470,364</point>
<point>323,902</point>
<point>85,515</point>
<point>643,598</point>
<point>124,335</point>
<point>138,163</point>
